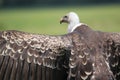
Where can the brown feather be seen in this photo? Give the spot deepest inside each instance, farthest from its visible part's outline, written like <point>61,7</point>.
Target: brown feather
<point>83,54</point>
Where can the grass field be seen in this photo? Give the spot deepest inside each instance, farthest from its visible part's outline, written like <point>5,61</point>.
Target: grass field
<point>46,20</point>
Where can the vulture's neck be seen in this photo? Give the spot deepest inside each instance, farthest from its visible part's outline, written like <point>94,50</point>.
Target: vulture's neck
<point>73,25</point>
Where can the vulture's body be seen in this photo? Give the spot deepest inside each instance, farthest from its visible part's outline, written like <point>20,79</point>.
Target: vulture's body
<point>82,54</point>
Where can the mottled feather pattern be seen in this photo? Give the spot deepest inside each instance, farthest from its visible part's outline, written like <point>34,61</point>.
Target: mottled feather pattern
<point>25,56</point>
<point>113,52</point>
<point>87,61</point>
<point>80,60</point>
<point>40,49</point>
<point>83,54</point>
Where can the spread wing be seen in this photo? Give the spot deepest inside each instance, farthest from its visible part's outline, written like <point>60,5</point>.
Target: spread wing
<point>95,57</point>
<point>25,56</point>
<point>112,50</point>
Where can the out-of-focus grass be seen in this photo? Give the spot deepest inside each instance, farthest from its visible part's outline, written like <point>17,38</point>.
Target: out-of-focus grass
<point>46,20</point>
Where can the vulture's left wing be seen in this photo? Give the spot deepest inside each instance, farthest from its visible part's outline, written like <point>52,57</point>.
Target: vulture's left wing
<point>25,56</point>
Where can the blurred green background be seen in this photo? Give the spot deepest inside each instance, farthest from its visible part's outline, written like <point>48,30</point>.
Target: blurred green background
<point>45,19</point>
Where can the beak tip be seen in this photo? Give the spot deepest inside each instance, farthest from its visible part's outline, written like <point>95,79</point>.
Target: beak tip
<point>60,22</point>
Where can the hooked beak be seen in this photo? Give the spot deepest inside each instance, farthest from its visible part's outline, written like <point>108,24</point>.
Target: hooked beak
<point>64,20</point>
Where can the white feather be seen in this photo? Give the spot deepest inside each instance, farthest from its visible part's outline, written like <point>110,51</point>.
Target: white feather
<point>73,20</point>
<point>74,27</point>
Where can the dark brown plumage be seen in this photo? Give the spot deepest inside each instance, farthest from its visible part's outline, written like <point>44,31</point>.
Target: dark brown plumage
<point>31,56</point>
<point>83,54</point>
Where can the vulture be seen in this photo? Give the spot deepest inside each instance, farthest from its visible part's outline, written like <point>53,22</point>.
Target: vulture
<point>81,54</point>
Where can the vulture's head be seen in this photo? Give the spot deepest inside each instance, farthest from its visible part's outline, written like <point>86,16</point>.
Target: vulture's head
<point>71,19</point>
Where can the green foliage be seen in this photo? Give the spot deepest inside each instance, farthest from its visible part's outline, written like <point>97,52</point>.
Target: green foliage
<point>46,20</point>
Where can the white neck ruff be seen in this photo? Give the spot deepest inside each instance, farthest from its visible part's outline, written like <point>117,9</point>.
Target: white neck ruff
<point>73,28</point>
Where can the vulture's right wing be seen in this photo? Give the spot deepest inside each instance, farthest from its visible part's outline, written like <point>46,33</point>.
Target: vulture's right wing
<point>25,56</point>
<point>112,50</point>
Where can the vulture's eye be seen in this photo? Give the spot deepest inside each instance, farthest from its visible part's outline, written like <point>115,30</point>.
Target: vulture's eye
<point>65,17</point>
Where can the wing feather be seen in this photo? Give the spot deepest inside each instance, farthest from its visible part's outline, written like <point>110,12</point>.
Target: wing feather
<point>22,54</point>
<point>14,70</point>
<point>112,49</point>
<point>87,61</point>
<point>8,69</point>
<point>80,64</point>
<point>74,56</point>
<point>39,72</point>
<point>19,70</point>
<point>3,67</point>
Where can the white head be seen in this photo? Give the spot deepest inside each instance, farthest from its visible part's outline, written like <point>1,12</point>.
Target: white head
<point>72,19</point>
